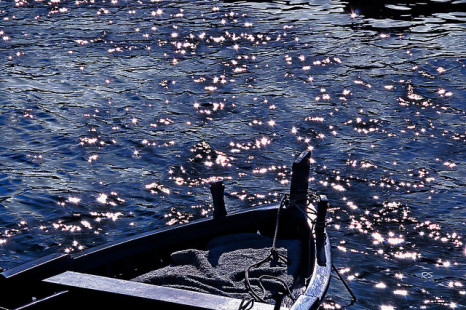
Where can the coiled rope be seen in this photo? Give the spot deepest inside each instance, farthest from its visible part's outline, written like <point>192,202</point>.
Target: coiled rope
<point>274,256</point>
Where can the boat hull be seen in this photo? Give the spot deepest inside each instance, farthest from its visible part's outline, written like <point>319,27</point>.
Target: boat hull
<point>68,281</point>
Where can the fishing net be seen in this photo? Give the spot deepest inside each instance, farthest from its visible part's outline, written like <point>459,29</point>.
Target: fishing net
<point>220,268</point>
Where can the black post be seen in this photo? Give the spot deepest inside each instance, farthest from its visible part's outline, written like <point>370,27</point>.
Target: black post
<point>322,207</point>
<point>300,178</point>
<point>217,189</point>
<point>298,199</point>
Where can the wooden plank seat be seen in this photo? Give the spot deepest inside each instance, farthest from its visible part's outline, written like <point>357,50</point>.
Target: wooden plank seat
<point>151,294</point>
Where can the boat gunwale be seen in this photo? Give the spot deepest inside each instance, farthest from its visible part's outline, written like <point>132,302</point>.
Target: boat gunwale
<point>70,260</point>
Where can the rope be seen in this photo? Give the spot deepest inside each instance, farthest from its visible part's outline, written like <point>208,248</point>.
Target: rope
<point>307,213</point>
<point>275,235</point>
<point>246,304</point>
<point>287,288</point>
<point>346,285</point>
<point>274,255</point>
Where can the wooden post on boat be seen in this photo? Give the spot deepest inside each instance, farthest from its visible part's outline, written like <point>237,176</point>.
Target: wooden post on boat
<point>217,189</point>
<point>298,199</point>
<point>300,179</point>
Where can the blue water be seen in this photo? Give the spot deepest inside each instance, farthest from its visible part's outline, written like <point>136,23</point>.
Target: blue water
<point>115,116</point>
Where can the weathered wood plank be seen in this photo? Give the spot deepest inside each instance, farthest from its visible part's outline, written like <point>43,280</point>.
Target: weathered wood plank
<point>149,292</point>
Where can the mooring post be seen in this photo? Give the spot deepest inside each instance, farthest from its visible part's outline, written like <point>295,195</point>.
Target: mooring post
<point>298,198</point>
<point>300,178</point>
<point>217,189</point>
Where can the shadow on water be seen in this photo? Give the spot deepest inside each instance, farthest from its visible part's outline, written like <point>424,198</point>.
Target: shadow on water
<point>401,9</point>
<point>399,15</point>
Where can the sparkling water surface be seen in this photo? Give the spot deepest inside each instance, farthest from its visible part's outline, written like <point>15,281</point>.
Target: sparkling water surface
<point>115,116</point>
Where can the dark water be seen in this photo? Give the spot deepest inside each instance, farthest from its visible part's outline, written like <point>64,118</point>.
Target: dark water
<point>115,115</point>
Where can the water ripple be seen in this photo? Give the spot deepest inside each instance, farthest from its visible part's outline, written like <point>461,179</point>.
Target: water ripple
<point>116,115</point>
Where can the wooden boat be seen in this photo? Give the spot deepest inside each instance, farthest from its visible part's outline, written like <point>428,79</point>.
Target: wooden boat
<point>106,277</point>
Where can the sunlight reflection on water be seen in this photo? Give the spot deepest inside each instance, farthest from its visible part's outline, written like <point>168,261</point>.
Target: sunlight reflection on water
<point>116,116</point>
